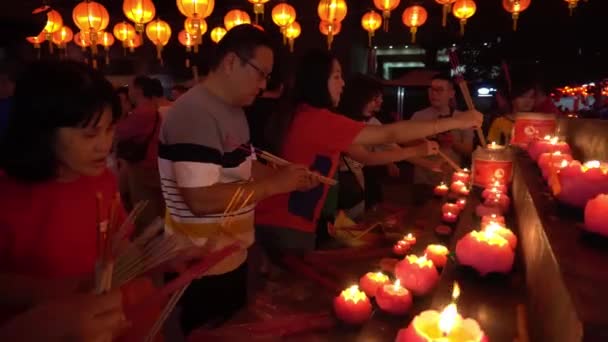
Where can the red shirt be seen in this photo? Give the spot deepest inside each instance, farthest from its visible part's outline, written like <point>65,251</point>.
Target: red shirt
<point>138,126</point>
<point>50,229</point>
<point>316,138</point>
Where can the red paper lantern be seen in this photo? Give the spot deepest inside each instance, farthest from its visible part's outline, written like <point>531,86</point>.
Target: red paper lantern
<point>515,7</point>
<point>414,17</point>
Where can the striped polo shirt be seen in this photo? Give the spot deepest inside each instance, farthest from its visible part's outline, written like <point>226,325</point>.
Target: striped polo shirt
<point>203,141</point>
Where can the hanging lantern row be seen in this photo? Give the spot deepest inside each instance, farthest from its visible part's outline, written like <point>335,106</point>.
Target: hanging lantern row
<point>258,9</point>
<point>332,13</point>
<point>414,17</point>
<point>371,21</point>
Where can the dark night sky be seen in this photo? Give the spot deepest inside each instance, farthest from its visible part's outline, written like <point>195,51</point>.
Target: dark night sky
<point>571,47</point>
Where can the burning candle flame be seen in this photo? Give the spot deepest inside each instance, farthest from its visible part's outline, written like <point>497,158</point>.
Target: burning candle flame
<point>379,276</point>
<point>421,262</point>
<point>353,294</point>
<point>547,137</point>
<point>409,236</point>
<point>553,140</point>
<point>447,319</point>
<point>455,292</point>
<point>397,284</point>
<point>592,164</point>
<point>564,163</point>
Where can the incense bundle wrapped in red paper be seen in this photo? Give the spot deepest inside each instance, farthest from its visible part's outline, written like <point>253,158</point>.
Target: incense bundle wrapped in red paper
<point>278,327</point>
<point>298,266</point>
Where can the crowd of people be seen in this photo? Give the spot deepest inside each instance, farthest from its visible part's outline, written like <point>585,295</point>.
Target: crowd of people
<point>70,135</point>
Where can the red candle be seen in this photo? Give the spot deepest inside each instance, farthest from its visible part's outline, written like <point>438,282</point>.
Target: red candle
<point>449,217</point>
<point>464,191</point>
<point>502,231</point>
<point>486,252</point>
<point>450,208</point>
<point>500,186</point>
<point>352,306</point>
<point>547,145</point>
<point>557,160</point>
<point>445,326</point>
<point>418,275</point>
<point>487,192</point>
<point>441,190</point>
<point>596,215</point>
<point>372,281</point>
<point>457,186</point>
<point>580,183</point>
<point>498,199</point>
<point>394,298</point>
<point>461,203</point>
<point>461,176</point>
<point>401,247</point>
<point>410,239</point>
<point>492,218</point>
<point>484,210</point>
<point>438,254</point>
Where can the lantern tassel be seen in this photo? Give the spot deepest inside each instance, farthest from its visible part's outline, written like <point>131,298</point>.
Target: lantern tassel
<point>51,47</point>
<point>330,40</point>
<point>38,52</point>
<point>159,50</point>
<point>94,63</point>
<point>195,48</point>
<point>444,19</point>
<point>291,43</point>
<point>369,38</point>
<point>107,59</point>
<point>413,30</point>
<point>387,16</point>
<point>258,9</point>
<point>515,17</point>
<point>187,62</point>
<point>463,22</point>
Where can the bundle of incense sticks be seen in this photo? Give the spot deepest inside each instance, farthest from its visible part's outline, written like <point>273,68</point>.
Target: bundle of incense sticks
<point>466,94</point>
<point>271,158</point>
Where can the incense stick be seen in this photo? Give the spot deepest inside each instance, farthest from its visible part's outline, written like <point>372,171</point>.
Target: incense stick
<point>450,161</point>
<point>160,321</point>
<point>464,89</point>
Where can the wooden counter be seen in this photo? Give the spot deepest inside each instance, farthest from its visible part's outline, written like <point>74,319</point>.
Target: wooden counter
<point>566,268</point>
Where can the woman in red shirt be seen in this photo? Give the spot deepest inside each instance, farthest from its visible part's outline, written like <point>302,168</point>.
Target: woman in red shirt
<point>310,133</point>
<point>52,166</point>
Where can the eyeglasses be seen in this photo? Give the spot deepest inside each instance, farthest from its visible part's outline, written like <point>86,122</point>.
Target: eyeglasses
<point>263,75</point>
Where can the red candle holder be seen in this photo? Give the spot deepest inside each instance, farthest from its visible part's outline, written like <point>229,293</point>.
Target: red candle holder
<point>500,200</point>
<point>438,254</point>
<point>580,183</point>
<point>486,252</point>
<point>547,145</point>
<point>596,215</point>
<point>418,275</point>
<point>394,298</point>
<point>462,176</point>
<point>450,207</point>
<point>410,239</point>
<point>372,281</point>
<point>449,217</point>
<point>502,231</point>
<point>352,306</point>
<point>461,203</point>
<point>457,186</point>
<point>401,248</point>
<point>493,218</point>
<point>441,190</point>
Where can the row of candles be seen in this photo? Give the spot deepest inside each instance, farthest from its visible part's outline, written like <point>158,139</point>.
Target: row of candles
<point>490,249</point>
<point>580,185</point>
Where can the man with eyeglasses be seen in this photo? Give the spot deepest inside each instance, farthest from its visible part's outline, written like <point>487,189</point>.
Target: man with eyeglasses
<point>457,144</point>
<point>205,157</point>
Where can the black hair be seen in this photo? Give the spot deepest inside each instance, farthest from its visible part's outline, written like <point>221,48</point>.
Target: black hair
<point>242,40</point>
<point>310,87</point>
<point>358,92</point>
<point>156,87</point>
<point>147,86</point>
<point>50,95</point>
